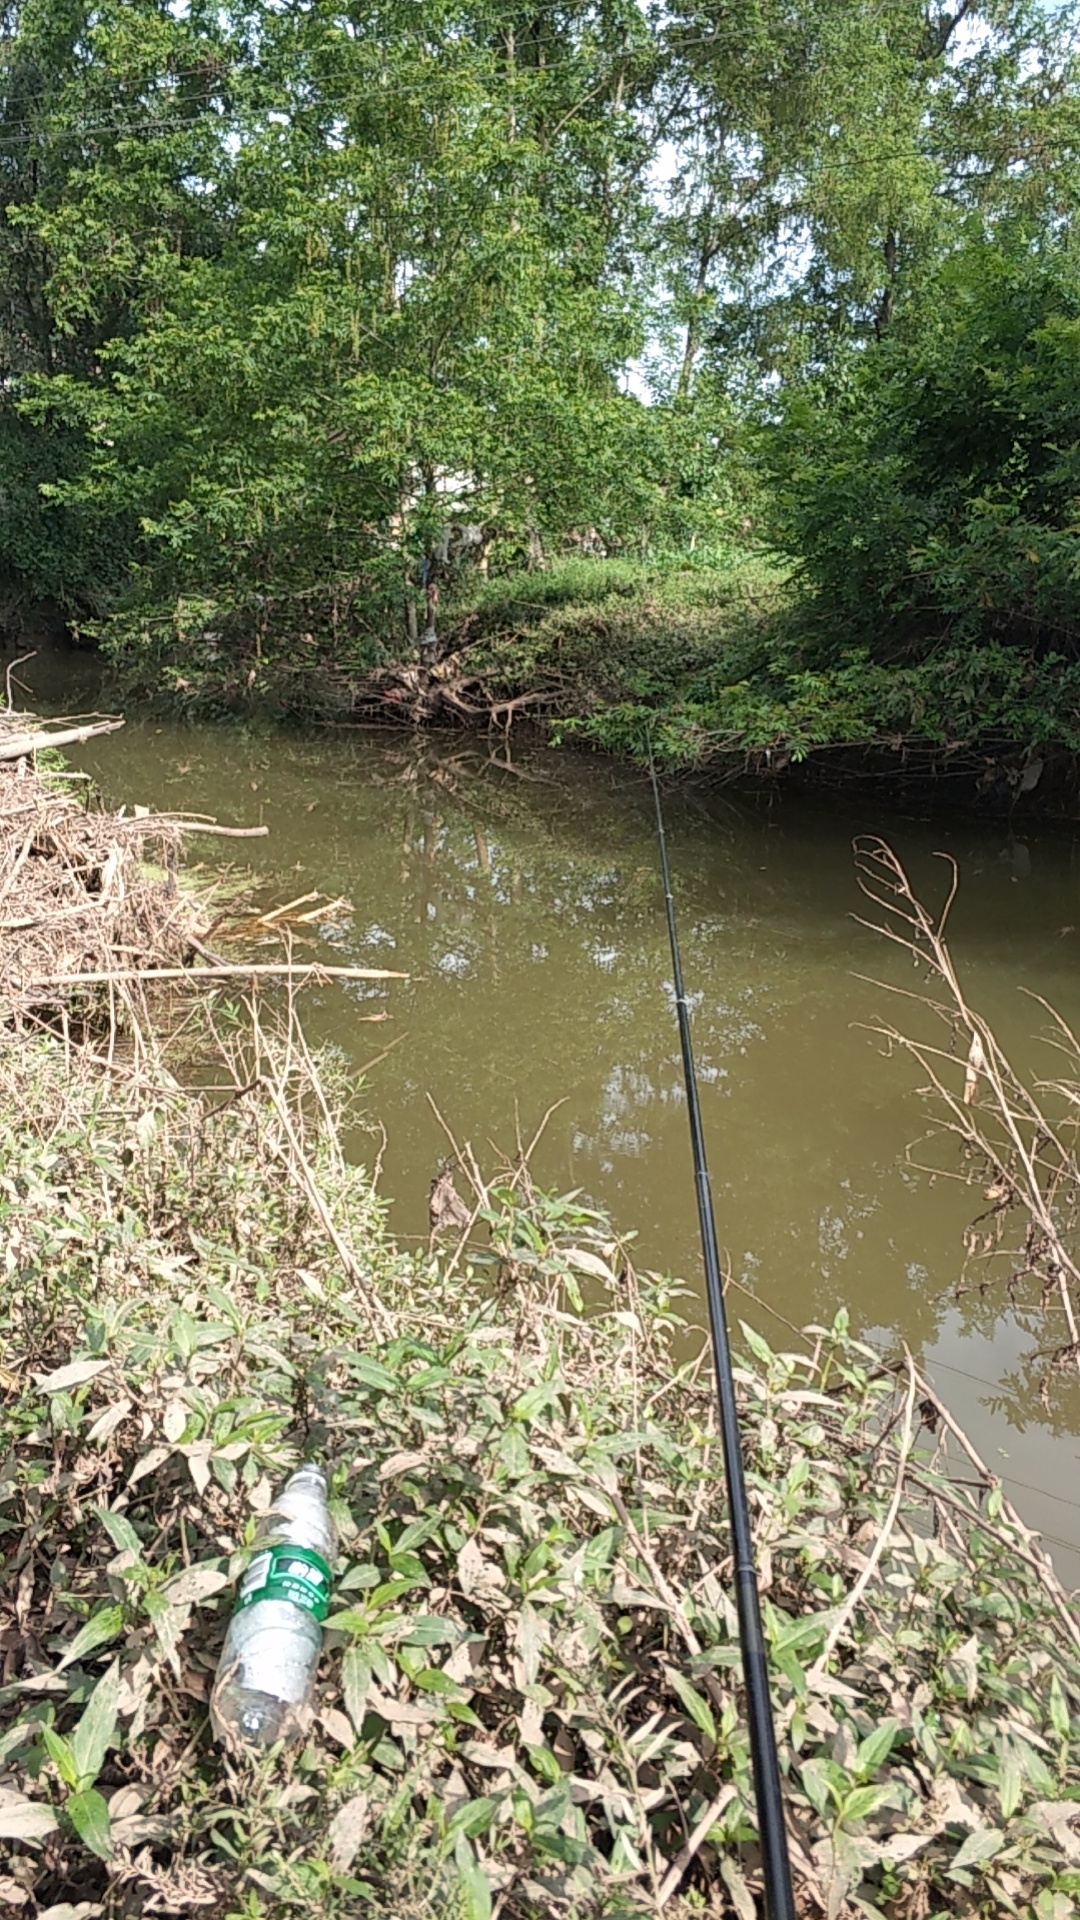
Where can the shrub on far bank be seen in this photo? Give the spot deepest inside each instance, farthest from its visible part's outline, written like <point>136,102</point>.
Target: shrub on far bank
<point>927,493</point>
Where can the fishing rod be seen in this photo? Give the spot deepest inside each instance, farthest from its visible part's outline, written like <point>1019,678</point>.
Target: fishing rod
<point>779,1900</point>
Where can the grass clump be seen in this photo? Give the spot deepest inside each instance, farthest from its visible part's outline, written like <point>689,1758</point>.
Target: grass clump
<point>530,1701</point>
<point>588,639</point>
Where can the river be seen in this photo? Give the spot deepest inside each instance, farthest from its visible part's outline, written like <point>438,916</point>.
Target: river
<point>523,902</point>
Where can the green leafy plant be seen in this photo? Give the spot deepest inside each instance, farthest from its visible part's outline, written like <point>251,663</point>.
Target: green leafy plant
<point>79,1757</point>
<point>531,1690</point>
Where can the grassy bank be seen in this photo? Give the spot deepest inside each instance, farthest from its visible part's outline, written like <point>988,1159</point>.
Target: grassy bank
<point>530,1700</point>
<point>729,664</point>
<point>721,658</point>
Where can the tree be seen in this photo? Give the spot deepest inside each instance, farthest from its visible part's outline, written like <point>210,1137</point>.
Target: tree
<point>831,153</point>
<point>934,496</point>
<point>415,309</point>
<point>105,115</point>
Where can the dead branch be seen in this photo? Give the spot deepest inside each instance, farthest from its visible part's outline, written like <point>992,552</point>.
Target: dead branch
<point>237,970</point>
<point>16,746</point>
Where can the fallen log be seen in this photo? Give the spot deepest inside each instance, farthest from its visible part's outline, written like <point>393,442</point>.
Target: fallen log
<point>16,746</point>
<point>151,822</point>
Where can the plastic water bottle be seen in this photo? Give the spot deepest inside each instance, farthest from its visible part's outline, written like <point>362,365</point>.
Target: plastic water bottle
<point>266,1674</point>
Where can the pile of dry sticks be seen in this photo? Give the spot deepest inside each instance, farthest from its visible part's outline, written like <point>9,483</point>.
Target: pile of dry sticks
<point>90,903</point>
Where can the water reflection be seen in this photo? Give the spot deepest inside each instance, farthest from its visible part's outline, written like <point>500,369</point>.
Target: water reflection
<point>525,905</point>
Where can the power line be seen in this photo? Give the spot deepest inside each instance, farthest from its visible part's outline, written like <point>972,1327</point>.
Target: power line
<point>224,120</point>
<point>517,74</point>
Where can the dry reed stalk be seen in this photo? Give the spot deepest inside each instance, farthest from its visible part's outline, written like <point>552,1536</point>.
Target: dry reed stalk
<point>851,1604</point>
<point>1000,1121</point>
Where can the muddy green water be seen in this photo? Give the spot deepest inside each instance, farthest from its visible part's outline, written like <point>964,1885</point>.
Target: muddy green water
<point>526,908</point>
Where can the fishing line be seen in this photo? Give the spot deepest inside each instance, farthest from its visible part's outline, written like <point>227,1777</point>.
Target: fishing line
<point>779,1900</point>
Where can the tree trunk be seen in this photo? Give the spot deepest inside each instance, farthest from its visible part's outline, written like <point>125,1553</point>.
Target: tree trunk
<point>887,303</point>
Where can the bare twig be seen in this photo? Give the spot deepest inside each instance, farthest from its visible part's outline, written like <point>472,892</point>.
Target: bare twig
<point>300,1169</point>
<point>693,1845</point>
<point>21,661</point>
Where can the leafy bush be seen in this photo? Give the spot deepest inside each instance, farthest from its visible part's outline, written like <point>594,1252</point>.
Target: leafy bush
<point>931,492</point>
<point>47,550</point>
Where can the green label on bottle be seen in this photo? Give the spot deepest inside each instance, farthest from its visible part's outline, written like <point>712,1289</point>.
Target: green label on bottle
<point>287,1573</point>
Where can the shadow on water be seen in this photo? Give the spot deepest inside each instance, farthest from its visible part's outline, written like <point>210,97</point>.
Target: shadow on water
<point>524,903</point>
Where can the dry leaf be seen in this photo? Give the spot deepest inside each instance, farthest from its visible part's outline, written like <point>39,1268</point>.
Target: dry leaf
<point>530,1638</point>
<point>903,1846</point>
<point>295,1794</point>
<point>479,1577</point>
<point>125,1802</point>
<point>261,1496</point>
<point>194,1683</point>
<point>169,1626</point>
<point>347,1829</point>
<point>952,1807</point>
<point>401,1463</point>
<point>338,1726</point>
<point>466,1660</point>
<point>446,1208</point>
<point>556,1461</point>
<point>174,1420</point>
<point>399,1713</point>
<point>197,1456</point>
<point>504,1759</point>
<point>531,1725</point>
<point>23,1819</point>
<point>1056,1817</point>
<point>741,1897</point>
<point>453,1792</point>
<point>194,1583</point>
<point>75,1374</point>
<point>136,1684</point>
<point>590,1263</point>
<point>148,1464</point>
<point>138,1829</point>
<point>107,1422</point>
<point>966,1657</point>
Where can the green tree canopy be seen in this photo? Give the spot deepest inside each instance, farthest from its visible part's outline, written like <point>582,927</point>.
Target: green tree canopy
<point>310,302</point>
